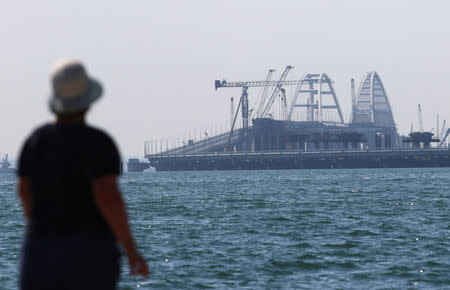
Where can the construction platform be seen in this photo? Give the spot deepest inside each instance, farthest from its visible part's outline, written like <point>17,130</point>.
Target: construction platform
<point>327,159</point>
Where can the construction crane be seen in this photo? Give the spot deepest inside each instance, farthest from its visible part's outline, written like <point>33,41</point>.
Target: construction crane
<point>419,113</point>
<point>443,129</point>
<point>243,101</point>
<point>4,163</point>
<point>437,127</point>
<point>444,134</point>
<point>283,104</point>
<point>275,92</point>
<point>264,92</point>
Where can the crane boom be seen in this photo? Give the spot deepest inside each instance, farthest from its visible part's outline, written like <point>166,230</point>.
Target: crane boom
<point>275,91</point>
<point>437,127</point>
<point>283,104</point>
<point>224,84</point>
<point>249,84</point>
<point>264,92</point>
<point>443,129</point>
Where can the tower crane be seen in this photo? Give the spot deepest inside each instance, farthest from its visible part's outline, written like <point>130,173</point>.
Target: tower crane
<point>243,101</point>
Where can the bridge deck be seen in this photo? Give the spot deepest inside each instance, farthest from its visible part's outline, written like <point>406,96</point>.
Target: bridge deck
<point>302,159</point>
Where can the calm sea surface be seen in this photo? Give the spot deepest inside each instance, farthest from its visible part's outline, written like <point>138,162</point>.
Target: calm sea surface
<point>303,229</point>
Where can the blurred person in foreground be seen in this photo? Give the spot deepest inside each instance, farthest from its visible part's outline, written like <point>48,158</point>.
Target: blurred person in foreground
<point>74,212</point>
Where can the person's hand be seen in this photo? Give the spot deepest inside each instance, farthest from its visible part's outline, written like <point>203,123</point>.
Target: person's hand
<point>138,266</point>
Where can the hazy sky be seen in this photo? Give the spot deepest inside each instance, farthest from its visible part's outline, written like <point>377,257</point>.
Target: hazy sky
<point>158,59</point>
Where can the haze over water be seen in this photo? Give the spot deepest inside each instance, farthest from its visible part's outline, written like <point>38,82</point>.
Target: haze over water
<point>158,60</point>
<point>308,229</point>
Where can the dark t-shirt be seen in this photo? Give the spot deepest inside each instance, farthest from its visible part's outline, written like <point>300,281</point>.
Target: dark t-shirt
<point>61,161</point>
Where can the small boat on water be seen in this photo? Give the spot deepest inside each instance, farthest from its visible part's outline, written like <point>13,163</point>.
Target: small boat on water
<point>5,165</point>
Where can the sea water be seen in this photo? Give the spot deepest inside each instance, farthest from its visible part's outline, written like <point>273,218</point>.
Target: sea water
<point>302,229</point>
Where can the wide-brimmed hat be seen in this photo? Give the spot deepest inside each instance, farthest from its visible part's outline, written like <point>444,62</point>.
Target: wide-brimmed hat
<point>73,90</point>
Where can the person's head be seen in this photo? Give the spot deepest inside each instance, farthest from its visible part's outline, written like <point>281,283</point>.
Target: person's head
<point>73,90</point>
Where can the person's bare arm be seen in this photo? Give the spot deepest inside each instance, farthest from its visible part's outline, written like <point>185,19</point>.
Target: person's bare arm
<point>110,203</point>
<point>24,192</point>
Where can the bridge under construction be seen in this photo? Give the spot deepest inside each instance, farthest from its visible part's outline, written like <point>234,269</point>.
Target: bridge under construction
<point>303,129</point>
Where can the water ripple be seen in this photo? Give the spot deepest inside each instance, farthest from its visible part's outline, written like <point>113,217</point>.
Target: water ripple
<point>308,229</point>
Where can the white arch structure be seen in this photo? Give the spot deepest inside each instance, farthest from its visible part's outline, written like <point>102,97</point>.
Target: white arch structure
<point>315,92</point>
<point>371,105</point>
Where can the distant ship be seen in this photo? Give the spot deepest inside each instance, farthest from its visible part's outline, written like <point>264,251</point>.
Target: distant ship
<point>5,165</point>
<point>134,165</point>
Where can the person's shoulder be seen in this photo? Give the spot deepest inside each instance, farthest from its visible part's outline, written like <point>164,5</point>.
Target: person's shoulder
<point>40,130</point>
<point>43,128</point>
<point>103,142</point>
<point>100,134</point>
<point>32,139</point>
